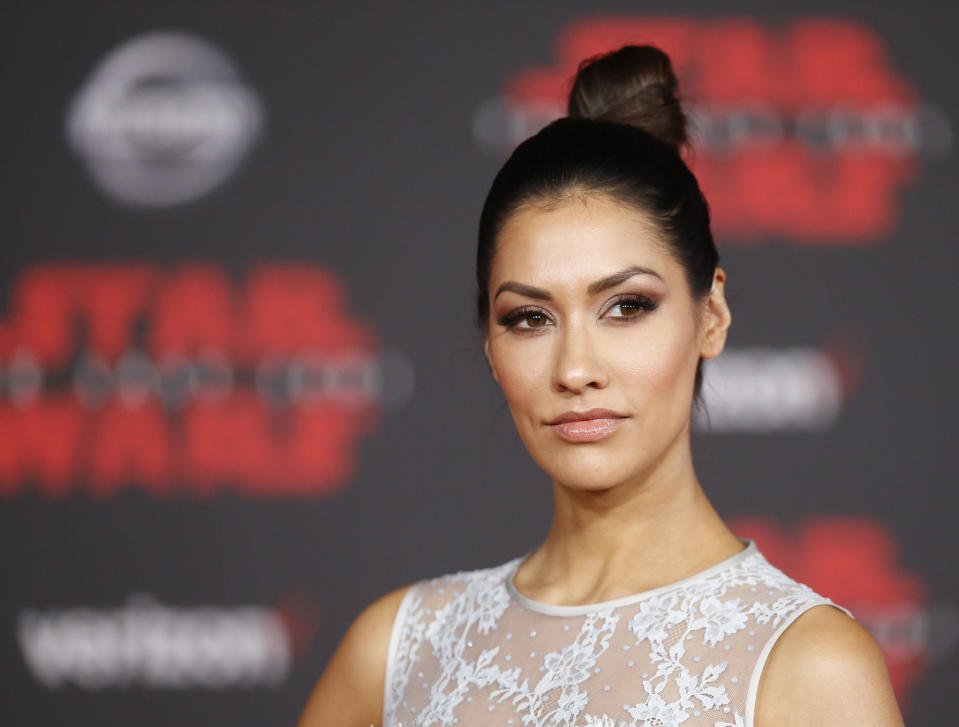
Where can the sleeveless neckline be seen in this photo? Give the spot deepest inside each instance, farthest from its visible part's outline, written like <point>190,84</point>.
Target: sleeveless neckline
<point>549,609</point>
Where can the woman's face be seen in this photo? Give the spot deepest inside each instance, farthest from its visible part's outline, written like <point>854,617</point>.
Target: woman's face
<point>594,338</point>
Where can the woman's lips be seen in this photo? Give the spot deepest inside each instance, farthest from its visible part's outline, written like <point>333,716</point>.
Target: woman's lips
<point>587,426</point>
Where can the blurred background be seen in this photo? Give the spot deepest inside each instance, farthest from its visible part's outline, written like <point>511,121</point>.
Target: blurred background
<point>241,394</point>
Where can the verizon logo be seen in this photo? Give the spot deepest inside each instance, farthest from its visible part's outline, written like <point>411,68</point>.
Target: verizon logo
<point>147,644</point>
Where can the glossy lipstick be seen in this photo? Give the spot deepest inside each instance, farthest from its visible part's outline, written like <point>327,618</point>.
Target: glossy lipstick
<point>586,426</point>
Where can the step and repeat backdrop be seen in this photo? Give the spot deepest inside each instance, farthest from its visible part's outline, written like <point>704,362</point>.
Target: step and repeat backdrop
<point>241,395</point>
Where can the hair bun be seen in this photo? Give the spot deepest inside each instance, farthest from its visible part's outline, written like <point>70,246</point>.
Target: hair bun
<point>634,85</point>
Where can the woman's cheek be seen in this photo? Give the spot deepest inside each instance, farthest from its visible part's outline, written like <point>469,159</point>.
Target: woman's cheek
<point>657,368</point>
<point>517,373</point>
<point>523,373</point>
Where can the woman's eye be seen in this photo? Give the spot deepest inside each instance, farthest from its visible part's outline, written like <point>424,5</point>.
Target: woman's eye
<point>524,319</point>
<point>532,319</point>
<point>631,306</point>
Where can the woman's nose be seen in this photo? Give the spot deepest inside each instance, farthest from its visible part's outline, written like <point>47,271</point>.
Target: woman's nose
<point>578,364</point>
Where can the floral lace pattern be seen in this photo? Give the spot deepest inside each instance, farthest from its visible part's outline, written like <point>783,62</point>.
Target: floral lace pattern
<point>565,670</point>
<point>470,650</point>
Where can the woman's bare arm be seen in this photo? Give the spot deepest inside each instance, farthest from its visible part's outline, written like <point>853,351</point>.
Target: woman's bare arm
<point>349,693</point>
<point>826,670</point>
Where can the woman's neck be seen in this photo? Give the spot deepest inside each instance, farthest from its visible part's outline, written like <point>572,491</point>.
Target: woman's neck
<point>626,539</point>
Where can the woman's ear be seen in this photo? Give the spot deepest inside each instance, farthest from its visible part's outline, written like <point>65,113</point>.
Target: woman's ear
<point>489,359</point>
<point>716,318</point>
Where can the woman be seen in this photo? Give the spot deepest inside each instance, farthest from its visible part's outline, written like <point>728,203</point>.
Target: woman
<point>599,297</point>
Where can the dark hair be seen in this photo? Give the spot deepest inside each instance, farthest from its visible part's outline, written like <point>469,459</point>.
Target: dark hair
<point>622,138</point>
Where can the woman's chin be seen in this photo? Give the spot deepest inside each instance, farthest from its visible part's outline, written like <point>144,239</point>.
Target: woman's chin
<point>588,479</point>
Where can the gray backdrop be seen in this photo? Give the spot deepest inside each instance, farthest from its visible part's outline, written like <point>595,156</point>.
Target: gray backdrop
<point>214,457</point>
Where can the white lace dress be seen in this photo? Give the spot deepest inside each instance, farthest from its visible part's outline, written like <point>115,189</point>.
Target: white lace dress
<point>468,649</point>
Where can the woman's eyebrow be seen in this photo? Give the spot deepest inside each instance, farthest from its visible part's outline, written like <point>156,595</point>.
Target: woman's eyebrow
<point>528,290</point>
<point>610,281</point>
<point>615,279</point>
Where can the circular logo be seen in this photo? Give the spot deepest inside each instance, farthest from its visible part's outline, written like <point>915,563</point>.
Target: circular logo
<point>163,120</point>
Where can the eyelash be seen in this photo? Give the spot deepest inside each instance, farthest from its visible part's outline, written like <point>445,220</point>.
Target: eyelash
<point>644,303</point>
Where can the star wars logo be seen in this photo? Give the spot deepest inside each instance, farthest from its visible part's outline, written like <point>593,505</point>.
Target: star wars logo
<point>179,380</point>
<point>804,133</point>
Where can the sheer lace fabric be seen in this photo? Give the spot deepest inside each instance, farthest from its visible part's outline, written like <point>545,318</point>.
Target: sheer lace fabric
<point>468,649</point>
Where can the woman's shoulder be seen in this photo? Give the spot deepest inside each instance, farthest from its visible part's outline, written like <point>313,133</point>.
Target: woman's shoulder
<point>375,622</point>
<point>350,690</point>
<point>825,669</point>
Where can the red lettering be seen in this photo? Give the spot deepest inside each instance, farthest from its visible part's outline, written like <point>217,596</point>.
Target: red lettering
<point>43,314</point>
<point>193,310</point>
<point>227,442</point>
<point>41,443</point>
<point>864,204</point>
<point>755,194</point>
<point>296,309</point>
<point>51,300</point>
<point>306,451</point>
<point>736,61</point>
<point>110,297</point>
<point>235,440</point>
<point>838,62</point>
<point>320,451</point>
<point>131,447</point>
